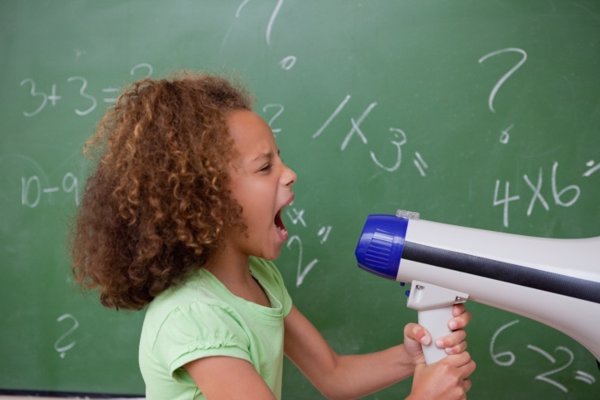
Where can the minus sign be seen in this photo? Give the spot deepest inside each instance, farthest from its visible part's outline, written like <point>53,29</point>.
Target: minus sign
<point>50,190</point>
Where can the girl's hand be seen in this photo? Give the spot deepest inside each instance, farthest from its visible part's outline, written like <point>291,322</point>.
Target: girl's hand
<point>416,335</point>
<point>447,379</point>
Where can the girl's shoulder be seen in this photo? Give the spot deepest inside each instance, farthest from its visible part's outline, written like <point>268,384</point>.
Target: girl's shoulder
<point>192,306</point>
<point>199,287</point>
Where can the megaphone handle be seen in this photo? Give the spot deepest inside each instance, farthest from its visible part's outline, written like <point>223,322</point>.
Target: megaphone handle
<point>436,322</point>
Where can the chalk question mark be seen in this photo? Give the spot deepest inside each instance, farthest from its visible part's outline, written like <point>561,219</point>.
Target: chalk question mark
<point>62,349</point>
<point>286,63</point>
<point>504,137</point>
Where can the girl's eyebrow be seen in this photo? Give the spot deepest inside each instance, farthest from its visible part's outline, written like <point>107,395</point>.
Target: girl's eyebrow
<point>268,156</point>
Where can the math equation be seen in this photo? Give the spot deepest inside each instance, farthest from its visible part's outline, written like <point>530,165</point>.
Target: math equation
<point>555,364</point>
<point>87,101</point>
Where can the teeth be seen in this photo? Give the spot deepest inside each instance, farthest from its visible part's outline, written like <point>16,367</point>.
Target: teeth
<point>279,223</point>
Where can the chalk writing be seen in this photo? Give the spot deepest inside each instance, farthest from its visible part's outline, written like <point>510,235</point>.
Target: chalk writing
<point>83,94</point>
<point>323,233</point>
<point>593,168</point>
<point>34,93</point>
<point>32,189</point>
<point>399,138</point>
<point>87,102</point>
<point>62,349</point>
<point>504,358</point>
<point>301,269</point>
<point>296,217</point>
<point>553,376</point>
<point>398,134</point>
<point>505,133</point>
<point>331,117</point>
<point>420,163</point>
<point>585,377</point>
<point>545,377</point>
<point>507,75</point>
<point>287,62</point>
<point>142,66</point>
<point>279,108</point>
<point>565,197</point>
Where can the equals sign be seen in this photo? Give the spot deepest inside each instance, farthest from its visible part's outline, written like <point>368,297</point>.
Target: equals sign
<point>585,377</point>
<point>593,167</point>
<point>110,90</point>
<point>420,163</point>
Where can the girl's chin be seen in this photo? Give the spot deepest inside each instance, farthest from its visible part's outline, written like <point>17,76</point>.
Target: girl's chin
<point>274,253</point>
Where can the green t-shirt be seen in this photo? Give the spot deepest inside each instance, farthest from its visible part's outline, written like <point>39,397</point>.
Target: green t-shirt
<point>202,318</point>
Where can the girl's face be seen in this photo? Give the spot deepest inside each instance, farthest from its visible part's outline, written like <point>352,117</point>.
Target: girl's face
<point>262,185</point>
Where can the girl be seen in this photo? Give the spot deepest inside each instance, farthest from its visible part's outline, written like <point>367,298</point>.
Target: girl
<point>181,215</point>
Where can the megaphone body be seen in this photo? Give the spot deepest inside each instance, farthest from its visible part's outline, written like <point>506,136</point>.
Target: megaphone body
<point>553,281</point>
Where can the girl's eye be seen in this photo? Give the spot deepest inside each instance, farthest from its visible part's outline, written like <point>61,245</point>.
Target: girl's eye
<point>265,168</point>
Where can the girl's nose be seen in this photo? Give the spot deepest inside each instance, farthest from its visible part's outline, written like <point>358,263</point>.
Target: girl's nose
<point>289,176</point>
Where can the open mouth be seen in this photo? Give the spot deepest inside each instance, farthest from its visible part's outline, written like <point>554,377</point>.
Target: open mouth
<point>279,222</point>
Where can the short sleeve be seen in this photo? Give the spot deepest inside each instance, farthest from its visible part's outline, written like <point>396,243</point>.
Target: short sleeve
<point>199,330</point>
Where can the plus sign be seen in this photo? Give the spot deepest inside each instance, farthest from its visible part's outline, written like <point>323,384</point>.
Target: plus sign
<point>54,97</point>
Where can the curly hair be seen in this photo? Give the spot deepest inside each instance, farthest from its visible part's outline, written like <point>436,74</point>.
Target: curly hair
<point>155,206</point>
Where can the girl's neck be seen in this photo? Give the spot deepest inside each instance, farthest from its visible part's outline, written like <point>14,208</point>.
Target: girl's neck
<point>233,270</point>
<point>229,267</point>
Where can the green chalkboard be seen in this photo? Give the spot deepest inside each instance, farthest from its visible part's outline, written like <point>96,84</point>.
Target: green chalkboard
<point>475,113</point>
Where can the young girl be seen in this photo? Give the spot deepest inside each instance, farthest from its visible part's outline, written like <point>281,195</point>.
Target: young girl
<point>181,215</point>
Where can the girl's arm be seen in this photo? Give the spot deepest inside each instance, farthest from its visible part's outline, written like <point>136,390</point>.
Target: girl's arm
<point>354,376</point>
<point>227,378</point>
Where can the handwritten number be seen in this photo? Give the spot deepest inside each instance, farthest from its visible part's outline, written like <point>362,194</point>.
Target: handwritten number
<point>544,377</point>
<point>279,110</point>
<point>505,201</point>
<point>26,188</point>
<point>34,93</point>
<point>70,184</point>
<point>398,134</point>
<point>301,271</point>
<point>558,195</point>
<point>508,358</point>
<point>505,358</point>
<point>83,94</point>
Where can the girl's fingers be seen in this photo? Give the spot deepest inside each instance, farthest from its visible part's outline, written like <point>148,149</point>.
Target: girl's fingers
<point>452,339</point>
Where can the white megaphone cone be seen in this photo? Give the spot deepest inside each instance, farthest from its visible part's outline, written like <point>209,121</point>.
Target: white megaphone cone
<point>553,281</point>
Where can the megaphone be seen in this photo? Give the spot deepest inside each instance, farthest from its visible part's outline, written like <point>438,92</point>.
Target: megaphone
<point>553,281</point>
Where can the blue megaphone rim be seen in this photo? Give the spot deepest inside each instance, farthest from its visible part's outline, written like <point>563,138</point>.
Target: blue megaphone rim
<point>381,243</point>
